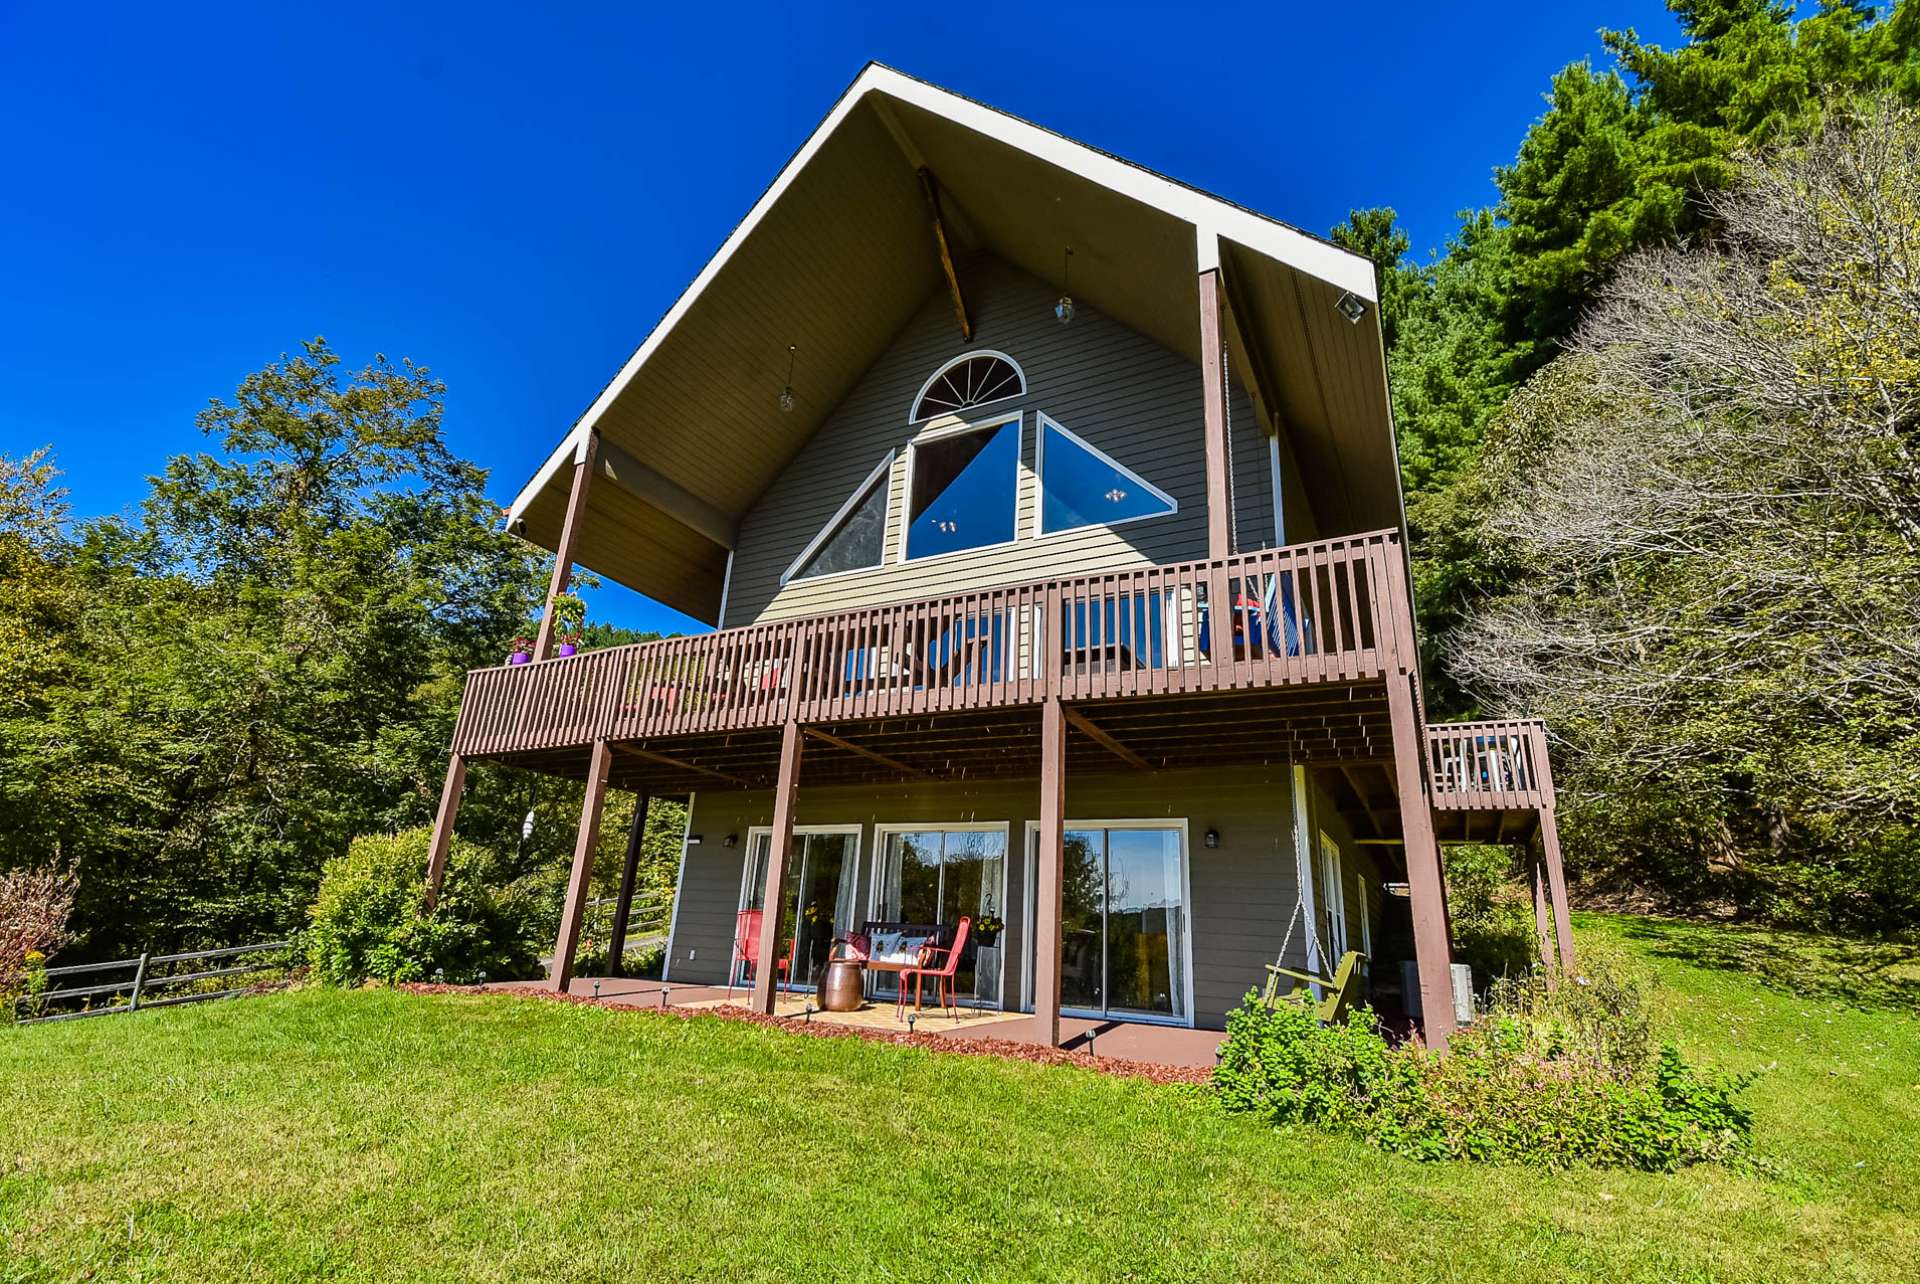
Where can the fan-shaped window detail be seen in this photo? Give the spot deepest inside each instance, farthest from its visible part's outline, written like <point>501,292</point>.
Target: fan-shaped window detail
<point>854,538</point>
<point>1084,486</point>
<point>968,381</point>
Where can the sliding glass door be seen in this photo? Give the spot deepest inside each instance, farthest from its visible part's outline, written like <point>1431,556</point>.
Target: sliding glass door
<point>936,877</point>
<point>1123,923</point>
<point>816,902</point>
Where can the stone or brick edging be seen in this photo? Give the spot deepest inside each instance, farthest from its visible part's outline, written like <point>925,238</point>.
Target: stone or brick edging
<point>975,1046</point>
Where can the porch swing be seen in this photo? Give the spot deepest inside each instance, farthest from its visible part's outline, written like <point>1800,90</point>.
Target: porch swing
<point>1340,992</point>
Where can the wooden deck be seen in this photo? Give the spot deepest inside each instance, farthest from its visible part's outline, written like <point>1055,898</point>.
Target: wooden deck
<point>1329,613</point>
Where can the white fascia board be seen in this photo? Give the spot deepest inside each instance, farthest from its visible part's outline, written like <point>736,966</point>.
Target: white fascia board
<point>1211,216</point>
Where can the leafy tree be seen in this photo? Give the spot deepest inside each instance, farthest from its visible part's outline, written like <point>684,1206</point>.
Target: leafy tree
<point>1713,504</point>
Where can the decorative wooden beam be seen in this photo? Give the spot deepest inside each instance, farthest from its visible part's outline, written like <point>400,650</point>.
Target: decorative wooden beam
<point>569,542</point>
<point>648,755</point>
<point>671,498</point>
<point>931,188</point>
<point>765,974</point>
<point>574,908</point>
<point>825,737</point>
<point>1099,736</point>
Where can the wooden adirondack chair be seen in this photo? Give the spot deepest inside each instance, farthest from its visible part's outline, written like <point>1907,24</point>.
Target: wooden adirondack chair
<point>1342,988</point>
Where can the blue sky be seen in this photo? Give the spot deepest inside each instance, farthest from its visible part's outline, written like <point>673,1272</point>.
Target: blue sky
<point>514,194</point>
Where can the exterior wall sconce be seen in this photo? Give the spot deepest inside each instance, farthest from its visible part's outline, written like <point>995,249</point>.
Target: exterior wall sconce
<point>1352,307</point>
<point>1211,838</point>
<point>731,840</point>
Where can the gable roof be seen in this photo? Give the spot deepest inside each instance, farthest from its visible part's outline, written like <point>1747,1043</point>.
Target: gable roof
<point>837,254</point>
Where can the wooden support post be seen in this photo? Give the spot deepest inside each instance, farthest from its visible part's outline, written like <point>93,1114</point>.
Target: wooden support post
<point>574,909</point>
<point>765,976</point>
<point>1050,876</point>
<point>442,841</point>
<point>1213,381</point>
<point>1557,883</point>
<point>1542,916</point>
<point>1432,947</point>
<point>569,544</point>
<point>623,907</point>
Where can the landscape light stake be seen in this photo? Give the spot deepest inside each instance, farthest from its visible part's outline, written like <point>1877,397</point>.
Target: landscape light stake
<point>911,1018</point>
<point>596,988</point>
<point>666,995</point>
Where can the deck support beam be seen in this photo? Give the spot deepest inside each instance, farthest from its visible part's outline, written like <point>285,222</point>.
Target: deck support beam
<point>1213,384</point>
<point>629,872</point>
<point>569,541</point>
<point>1542,916</point>
<point>1050,872</point>
<point>574,909</point>
<point>1100,736</point>
<point>828,738</point>
<point>442,841</point>
<point>767,952</point>
<point>1556,881</point>
<point>1432,940</point>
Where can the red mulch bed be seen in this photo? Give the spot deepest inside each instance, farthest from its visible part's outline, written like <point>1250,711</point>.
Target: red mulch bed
<point>1005,1049</point>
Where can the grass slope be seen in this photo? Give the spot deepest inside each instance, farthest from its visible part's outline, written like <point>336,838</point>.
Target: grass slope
<point>380,1136</point>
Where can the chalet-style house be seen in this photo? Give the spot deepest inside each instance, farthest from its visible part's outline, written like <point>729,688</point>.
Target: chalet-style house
<point>1048,515</point>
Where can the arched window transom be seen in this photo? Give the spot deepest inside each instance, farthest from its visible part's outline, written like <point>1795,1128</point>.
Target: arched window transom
<point>974,379</point>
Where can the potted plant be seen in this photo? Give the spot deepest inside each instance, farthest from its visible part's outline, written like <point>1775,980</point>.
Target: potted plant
<point>987,929</point>
<point>522,651</point>
<point>569,617</point>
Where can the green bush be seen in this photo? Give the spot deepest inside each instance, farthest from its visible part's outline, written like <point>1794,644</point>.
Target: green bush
<point>369,919</point>
<point>1549,1087</point>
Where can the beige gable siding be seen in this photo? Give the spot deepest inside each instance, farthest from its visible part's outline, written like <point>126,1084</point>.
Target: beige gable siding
<point>1243,893</point>
<point>1123,393</point>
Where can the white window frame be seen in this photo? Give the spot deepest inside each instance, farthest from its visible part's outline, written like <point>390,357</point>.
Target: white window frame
<point>1333,892</point>
<point>1018,419</point>
<point>1031,855</point>
<point>746,871</point>
<point>878,475</point>
<point>913,407</point>
<point>1004,828</point>
<point>1044,421</point>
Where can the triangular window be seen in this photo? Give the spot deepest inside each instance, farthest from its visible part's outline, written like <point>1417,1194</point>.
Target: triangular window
<point>1081,486</point>
<point>854,539</point>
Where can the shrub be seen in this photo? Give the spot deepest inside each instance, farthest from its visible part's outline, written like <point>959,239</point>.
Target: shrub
<point>34,904</point>
<point>369,919</point>
<point>1546,1084</point>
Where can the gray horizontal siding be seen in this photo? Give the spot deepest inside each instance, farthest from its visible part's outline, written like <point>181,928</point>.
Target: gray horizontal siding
<point>1243,893</point>
<point>1136,401</point>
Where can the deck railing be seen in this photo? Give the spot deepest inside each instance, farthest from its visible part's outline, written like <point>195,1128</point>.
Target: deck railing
<point>1331,611</point>
<point>1488,766</point>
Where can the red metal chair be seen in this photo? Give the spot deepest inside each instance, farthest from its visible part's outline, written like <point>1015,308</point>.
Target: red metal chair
<point>746,949</point>
<point>940,964</point>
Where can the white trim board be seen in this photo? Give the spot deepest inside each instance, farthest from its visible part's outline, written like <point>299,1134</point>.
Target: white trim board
<point>1210,216</point>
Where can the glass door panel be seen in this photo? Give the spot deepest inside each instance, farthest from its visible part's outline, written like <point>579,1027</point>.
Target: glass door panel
<point>1082,938</point>
<point>1123,925</point>
<point>821,901</point>
<point>1145,922</point>
<point>937,877</point>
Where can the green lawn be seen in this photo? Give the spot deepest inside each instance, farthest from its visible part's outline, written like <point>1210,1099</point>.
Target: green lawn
<point>377,1135</point>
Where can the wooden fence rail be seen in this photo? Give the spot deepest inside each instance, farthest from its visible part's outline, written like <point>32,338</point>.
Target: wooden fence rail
<point>137,987</point>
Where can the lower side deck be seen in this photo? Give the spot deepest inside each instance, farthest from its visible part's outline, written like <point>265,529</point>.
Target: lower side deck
<point>1180,887</point>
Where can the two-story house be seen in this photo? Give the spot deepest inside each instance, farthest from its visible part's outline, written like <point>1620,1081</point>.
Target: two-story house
<point>1048,515</point>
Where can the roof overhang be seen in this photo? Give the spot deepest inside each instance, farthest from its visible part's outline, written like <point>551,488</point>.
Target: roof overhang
<point>837,255</point>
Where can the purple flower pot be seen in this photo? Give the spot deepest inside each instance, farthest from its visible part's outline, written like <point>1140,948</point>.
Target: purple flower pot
<point>519,657</point>
<point>565,648</point>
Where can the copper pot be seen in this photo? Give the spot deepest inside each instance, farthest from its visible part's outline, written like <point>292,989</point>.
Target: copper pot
<point>840,989</point>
